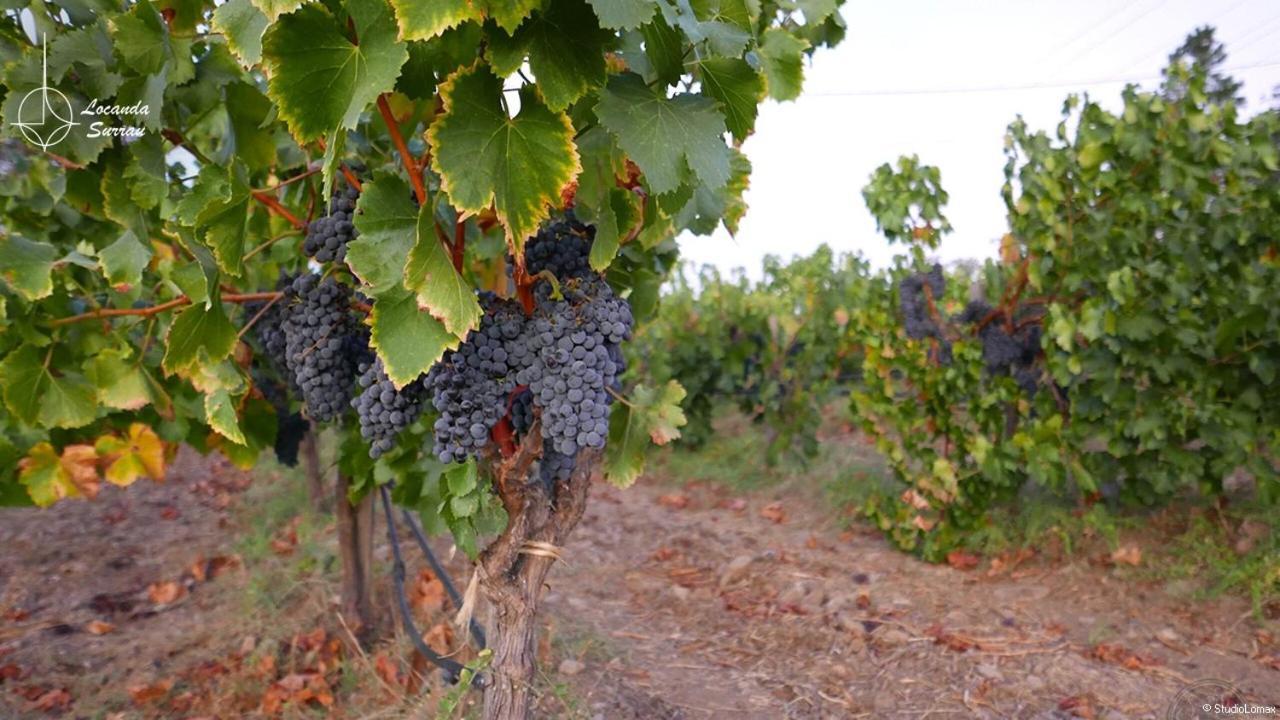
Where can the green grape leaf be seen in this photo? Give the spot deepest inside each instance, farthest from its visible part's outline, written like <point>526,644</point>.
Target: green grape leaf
<point>212,186</point>
<point>739,89</point>
<point>408,340</point>
<point>461,478</point>
<point>651,416</point>
<point>782,59</point>
<point>148,91</point>
<point>518,165</point>
<point>146,173</point>
<point>387,220</point>
<point>124,260</point>
<point>440,289</point>
<point>197,335</point>
<point>223,224</point>
<point>193,282</point>
<point>242,24</point>
<point>251,140</point>
<point>141,38</point>
<point>464,506</point>
<point>815,11</point>
<point>565,48</point>
<point>666,136</point>
<point>38,396</point>
<point>273,9</point>
<point>664,47</point>
<point>121,382</point>
<point>619,215</point>
<point>425,20</point>
<point>624,14</point>
<point>721,28</point>
<point>220,414</point>
<point>319,79</point>
<point>27,266</point>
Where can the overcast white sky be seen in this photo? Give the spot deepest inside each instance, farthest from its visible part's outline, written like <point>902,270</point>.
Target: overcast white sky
<point>870,100</point>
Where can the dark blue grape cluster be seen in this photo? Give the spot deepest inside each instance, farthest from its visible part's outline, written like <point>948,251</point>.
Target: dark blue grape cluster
<point>916,318</point>
<point>291,427</point>
<point>565,359</point>
<point>522,412</point>
<point>327,236</point>
<point>318,349</point>
<point>269,329</point>
<point>1005,352</point>
<point>562,247</point>
<point>576,344</point>
<point>384,410</point>
<point>469,386</point>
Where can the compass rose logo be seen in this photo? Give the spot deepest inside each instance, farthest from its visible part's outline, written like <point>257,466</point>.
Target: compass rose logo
<point>45,115</point>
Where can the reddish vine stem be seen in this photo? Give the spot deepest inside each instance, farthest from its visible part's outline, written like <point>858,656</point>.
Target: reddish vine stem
<point>274,206</point>
<point>162,307</point>
<point>351,178</point>
<point>410,163</point>
<point>524,287</point>
<point>289,181</point>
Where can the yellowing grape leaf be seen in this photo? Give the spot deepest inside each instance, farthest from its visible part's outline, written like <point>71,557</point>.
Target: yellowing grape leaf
<point>242,24</point>
<point>220,414</point>
<point>782,59</point>
<point>27,266</point>
<point>50,476</point>
<point>140,452</point>
<point>651,415</point>
<point>424,20</point>
<point>518,165</point>
<point>440,289</point>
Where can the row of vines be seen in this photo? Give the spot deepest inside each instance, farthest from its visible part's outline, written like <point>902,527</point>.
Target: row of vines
<point>1123,348</point>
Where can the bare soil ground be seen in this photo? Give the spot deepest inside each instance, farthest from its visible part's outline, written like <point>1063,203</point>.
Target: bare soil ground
<point>673,602</point>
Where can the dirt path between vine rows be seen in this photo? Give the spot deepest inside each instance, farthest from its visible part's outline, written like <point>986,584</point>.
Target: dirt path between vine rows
<point>672,602</point>
<point>698,604</point>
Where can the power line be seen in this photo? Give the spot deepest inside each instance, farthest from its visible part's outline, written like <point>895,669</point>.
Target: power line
<point>1085,32</point>
<point>1253,38</point>
<point>1164,51</point>
<point>1117,31</point>
<point>1015,88</point>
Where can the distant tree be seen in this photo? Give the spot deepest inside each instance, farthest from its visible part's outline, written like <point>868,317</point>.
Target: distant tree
<point>1202,50</point>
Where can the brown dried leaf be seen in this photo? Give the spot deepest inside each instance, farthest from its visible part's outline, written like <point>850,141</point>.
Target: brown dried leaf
<point>774,512</point>
<point>961,560</point>
<point>163,593</point>
<point>143,694</point>
<point>98,627</point>
<point>1127,555</point>
<point>439,638</point>
<point>51,701</point>
<point>427,593</point>
<point>387,669</point>
<point>675,501</point>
